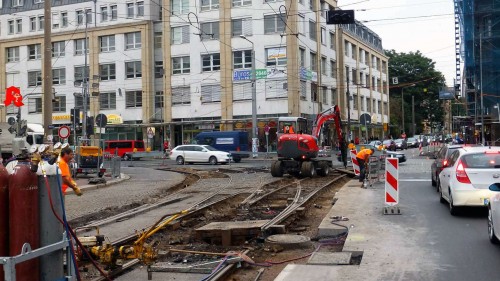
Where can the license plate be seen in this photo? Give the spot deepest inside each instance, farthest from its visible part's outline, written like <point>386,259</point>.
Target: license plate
<point>486,201</point>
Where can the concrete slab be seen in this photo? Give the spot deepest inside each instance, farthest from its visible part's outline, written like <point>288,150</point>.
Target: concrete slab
<point>302,272</point>
<point>324,258</point>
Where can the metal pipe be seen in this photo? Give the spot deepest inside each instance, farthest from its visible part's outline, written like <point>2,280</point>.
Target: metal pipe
<point>47,69</point>
<point>254,100</point>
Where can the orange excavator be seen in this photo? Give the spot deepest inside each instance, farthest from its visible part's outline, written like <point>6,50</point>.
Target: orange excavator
<point>298,150</point>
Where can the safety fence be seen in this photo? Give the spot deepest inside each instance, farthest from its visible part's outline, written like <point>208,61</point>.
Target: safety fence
<point>376,168</point>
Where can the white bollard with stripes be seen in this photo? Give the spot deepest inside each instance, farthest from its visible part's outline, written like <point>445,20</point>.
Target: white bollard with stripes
<point>392,187</point>
<point>354,161</point>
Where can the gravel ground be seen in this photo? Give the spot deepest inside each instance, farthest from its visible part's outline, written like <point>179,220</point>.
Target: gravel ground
<point>143,183</point>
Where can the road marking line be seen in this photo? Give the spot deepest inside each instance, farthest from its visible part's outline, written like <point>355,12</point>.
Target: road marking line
<point>422,180</point>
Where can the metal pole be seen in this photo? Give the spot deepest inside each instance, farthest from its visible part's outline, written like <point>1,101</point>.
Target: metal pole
<point>47,69</point>
<point>413,114</point>
<point>85,84</point>
<point>402,110</point>
<point>348,94</point>
<point>481,78</point>
<point>254,104</point>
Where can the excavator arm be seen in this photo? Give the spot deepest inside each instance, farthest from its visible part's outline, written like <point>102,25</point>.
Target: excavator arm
<point>329,114</point>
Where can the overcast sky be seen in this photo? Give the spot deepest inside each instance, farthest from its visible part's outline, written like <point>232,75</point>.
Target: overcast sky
<point>433,36</point>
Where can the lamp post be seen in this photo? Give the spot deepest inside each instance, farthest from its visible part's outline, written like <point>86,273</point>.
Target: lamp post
<point>254,99</point>
<point>403,106</point>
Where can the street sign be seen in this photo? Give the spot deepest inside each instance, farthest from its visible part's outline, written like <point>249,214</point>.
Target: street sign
<point>150,132</point>
<point>13,96</point>
<point>365,119</point>
<point>63,132</point>
<point>101,120</point>
<point>395,80</point>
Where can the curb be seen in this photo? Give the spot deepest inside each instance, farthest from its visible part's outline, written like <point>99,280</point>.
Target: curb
<point>123,177</point>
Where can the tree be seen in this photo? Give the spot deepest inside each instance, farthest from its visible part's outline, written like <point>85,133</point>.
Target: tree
<point>414,68</point>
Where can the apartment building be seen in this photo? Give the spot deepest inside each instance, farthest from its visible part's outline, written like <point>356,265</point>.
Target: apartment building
<point>182,66</point>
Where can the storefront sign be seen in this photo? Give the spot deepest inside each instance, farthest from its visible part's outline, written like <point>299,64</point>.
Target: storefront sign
<point>246,74</point>
<point>306,74</point>
<point>61,117</point>
<point>114,119</point>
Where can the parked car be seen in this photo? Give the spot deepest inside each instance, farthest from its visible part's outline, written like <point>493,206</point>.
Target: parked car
<point>466,179</point>
<point>192,153</point>
<point>375,143</point>
<point>390,145</point>
<point>399,144</point>
<point>400,155</point>
<point>440,161</point>
<point>123,148</point>
<point>412,142</point>
<point>494,214</point>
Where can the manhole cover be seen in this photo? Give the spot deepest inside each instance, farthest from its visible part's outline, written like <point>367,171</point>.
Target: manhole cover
<point>288,240</point>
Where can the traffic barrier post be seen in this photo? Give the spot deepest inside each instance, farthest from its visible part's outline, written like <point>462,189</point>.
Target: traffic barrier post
<point>354,161</point>
<point>392,187</point>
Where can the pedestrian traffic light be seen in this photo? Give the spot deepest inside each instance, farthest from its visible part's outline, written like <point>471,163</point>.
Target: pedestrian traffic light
<point>90,126</point>
<point>340,17</point>
<point>75,116</point>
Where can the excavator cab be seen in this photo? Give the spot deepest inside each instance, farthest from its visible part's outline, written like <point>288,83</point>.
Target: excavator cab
<point>292,125</point>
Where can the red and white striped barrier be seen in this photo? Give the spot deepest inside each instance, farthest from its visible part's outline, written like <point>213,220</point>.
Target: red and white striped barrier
<point>420,148</point>
<point>391,186</point>
<point>355,164</point>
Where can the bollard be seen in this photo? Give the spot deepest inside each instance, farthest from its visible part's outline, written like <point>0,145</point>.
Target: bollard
<point>392,187</point>
<point>116,167</point>
<point>354,161</point>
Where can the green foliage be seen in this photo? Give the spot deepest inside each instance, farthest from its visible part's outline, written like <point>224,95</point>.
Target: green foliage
<point>414,68</point>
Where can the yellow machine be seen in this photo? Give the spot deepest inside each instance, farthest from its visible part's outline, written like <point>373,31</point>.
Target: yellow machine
<point>89,160</point>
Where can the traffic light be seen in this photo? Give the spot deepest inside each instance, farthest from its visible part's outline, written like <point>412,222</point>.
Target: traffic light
<point>340,17</point>
<point>75,116</point>
<point>90,126</point>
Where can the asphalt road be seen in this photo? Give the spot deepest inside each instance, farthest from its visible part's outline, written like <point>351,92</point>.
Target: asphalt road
<point>460,244</point>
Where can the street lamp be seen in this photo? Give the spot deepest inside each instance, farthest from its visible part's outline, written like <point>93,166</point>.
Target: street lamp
<point>403,106</point>
<point>254,99</point>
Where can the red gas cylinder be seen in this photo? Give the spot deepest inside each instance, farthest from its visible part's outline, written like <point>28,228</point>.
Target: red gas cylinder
<point>4,215</point>
<point>24,218</point>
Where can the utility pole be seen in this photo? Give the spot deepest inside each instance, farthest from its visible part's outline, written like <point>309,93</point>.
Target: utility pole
<point>348,94</point>
<point>413,114</point>
<point>254,101</point>
<point>85,84</point>
<point>47,70</point>
<point>481,78</point>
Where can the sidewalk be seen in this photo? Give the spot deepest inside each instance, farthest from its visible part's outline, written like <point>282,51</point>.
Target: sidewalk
<point>391,244</point>
<point>85,186</point>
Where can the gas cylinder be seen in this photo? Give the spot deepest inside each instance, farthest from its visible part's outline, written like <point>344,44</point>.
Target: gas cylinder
<point>4,215</point>
<point>24,225</point>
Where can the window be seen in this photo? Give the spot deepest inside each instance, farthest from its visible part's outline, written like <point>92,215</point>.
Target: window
<point>104,13</point>
<point>241,27</point>
<point>379,107</point>
<point>302,56</point>
<point>210,62</point>
<point>41,22</point>
<point>314,91</point>
<point>276,56</point>
<point>180,34</point>
<point>107,71</point>
<point>276,89</point>
<point>58,49</point>
<point>354,52</point>
<point>114,12</point>
<point>10,26</point>
<point>59,76</point>
<point>79,102</point>
<point>59,105</point>
<point>354,77</point>
<point>107,43</point>
<point>159,99</point>
<point>210,93</point>
<point>312,30</point>
<point>333,96</point>
<point>181,95</point>
<point>35,105</point>
<point>140,8</point>
<point>180,7</point>
<point>79,75</point>
<point>55,20</point>
<point>107,100</point>
<point>34,78</point>
<point>207,5</point>
<point>347,45</point>
<point>312,5</point>
<point>181,65</point>
<point>17,3</point>
<point>35,52</point>
<point>323,65</point>
<point>302,24</point>
<point>64,19</point>
<point>159,71</point>
<point>133,99</point>
<point>314,62</point>
<point>332,41</point>
<point>242,59</point>
<point>158,37</point>
<point>323,36</point>
<point>12,54</point>
<point>242,91</point>
<point>133,40</point>
<point>79,17</point>
<point>274,23</point>
<point>130,10</point>
<point>324,95</point>
<point>303,90</point>
<point>210,30</point>
<point>367,104</point>
<point>32,23</point>
<point>239,3</point>
<point>79,45</point>
<point>355,101</point>
<point>88,16</point>
<point>19,25</point>
<point>133,69</point>
<point>333,68</point>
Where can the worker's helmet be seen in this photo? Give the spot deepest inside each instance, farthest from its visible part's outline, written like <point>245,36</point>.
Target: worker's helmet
<point>373,150</point>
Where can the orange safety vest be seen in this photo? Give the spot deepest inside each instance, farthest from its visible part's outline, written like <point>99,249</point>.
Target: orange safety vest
<point>364,154</point>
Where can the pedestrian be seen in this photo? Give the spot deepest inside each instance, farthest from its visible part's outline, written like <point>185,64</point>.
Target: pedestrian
<point>165,146</point>
<point>66,156</point>
<point>356,140</point>
<point>363,158</point>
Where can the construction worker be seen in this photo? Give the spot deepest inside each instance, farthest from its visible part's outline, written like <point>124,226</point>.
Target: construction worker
<point>66,157</point>
<point>351,145</point>
<point>363,157</point>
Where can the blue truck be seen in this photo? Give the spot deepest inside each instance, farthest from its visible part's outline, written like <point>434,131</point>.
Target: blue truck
<point>234,142</point>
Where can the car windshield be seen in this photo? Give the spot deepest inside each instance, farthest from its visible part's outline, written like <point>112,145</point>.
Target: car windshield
<point>482,160</point>
<point>210,148</point>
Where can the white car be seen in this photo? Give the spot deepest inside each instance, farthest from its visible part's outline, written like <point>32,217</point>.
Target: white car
<point>192,153</point>
<point>494,213</point>
<point>466,179</point>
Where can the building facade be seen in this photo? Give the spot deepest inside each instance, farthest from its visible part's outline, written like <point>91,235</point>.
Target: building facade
<point>183,66</point>
<point>478,38</point>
